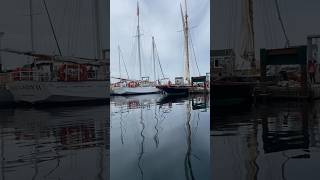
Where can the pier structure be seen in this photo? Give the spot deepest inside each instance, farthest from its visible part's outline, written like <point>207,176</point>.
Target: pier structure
<point>300,87</point>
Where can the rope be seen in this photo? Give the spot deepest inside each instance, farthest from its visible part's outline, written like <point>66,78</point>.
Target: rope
<point>195,59</point>
<point>124,63</point>
<point>287,43</point>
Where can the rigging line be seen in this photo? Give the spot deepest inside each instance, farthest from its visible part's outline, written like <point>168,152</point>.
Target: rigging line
<point>77,35</point>
<point>268,10</point>
<point>52,28</point>
<point>94,45</point>
<point>272,44</point>
<point>233,20</point>
<point>124,63</point>
<point>75,21</point>
<point>228,14</point>
<point>264,23</point>
<point>281,22</point>
<point>158,58</point>
<point>232,24</point>
<point>70,27</point>
<point>63,22</point>
<point>134,53</point>
<point>152,56</point>
<point>226,33</point>
<point>194,54</point>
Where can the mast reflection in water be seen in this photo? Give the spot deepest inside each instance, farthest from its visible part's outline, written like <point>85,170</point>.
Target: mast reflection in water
<point>278,141</point>
<point>56,143</point>
<point>155,137</point>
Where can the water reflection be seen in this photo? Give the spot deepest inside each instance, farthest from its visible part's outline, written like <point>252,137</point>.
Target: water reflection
<point>269,141</point>
<point>161,135</point>
<point>56,143</point>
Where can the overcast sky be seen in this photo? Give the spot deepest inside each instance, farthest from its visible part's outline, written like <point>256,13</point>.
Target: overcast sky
<point>301,18</point>
<point>73,23</point>
<point>161,19</point>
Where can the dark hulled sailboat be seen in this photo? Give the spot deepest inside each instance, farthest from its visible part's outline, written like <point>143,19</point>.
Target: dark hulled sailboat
<point>227,87</point>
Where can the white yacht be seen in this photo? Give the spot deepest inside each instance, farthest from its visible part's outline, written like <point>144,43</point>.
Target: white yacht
<point>60,79</point>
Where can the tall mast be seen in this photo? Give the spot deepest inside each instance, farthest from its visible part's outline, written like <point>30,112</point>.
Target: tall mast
<point>31,25</point>
<point>1,35</point>
<point>251,30</point>
<point>247,51</point>
<point>154,58</point>
<point>98,30</point>
<point>186,43</point>
<point>119,62</point>
<point>138,34</point>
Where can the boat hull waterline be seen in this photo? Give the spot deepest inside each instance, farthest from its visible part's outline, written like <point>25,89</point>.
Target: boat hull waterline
<point>174,90</point>
<point>231,93</point>
<point>58,92</point>
<point>134,90</point>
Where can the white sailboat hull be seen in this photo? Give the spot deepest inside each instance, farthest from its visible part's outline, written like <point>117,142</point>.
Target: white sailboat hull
<point>43,92</point>
<point>134,90</point>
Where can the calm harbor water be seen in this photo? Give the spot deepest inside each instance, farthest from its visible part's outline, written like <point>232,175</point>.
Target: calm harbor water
<point>275,141</point>
<point>157,138</point>
<point>57,143</point>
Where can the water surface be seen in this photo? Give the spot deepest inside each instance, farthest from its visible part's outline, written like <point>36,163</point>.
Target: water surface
<point>274,141</point>
<point>54,143</point>
<point>157,138</point>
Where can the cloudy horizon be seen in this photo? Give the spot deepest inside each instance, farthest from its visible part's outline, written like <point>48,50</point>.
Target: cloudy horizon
<point>163,21</point>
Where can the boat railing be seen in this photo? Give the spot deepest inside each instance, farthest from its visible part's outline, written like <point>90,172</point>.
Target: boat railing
<point>29,75</point>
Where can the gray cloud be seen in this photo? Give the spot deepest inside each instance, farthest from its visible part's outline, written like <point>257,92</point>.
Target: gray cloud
<point>162,20</point>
